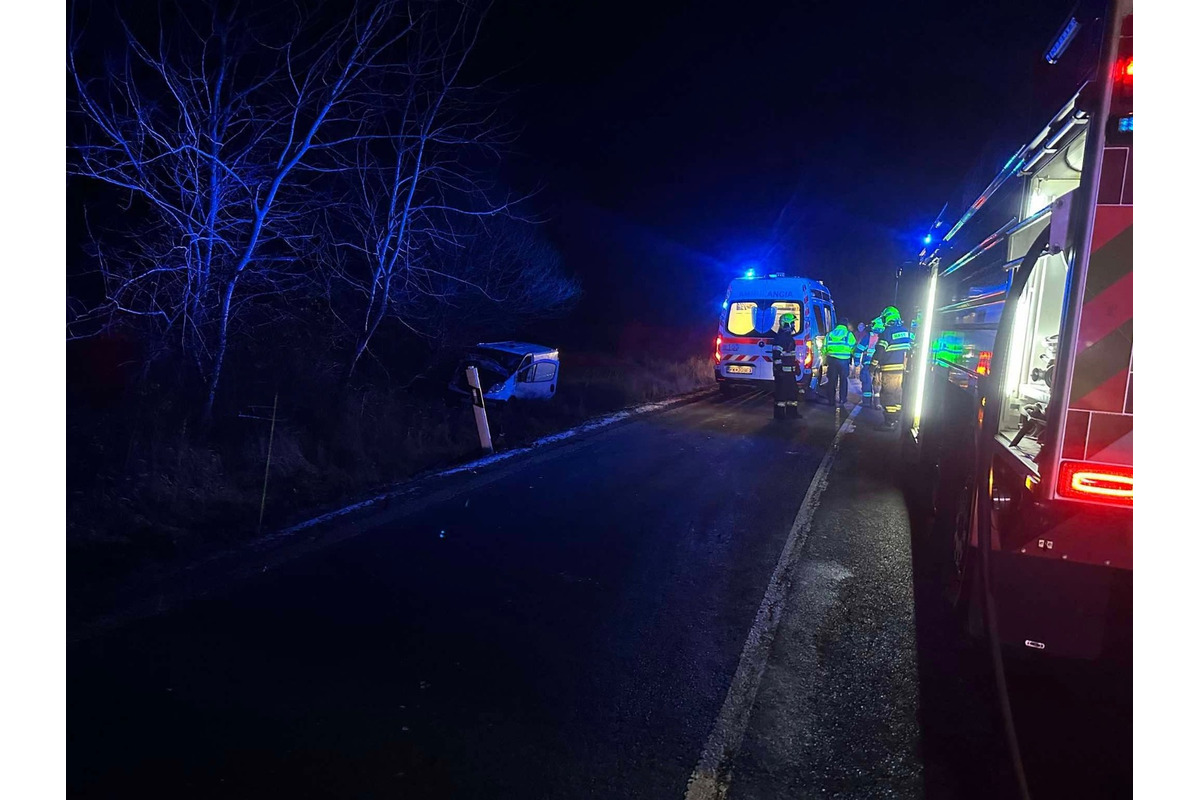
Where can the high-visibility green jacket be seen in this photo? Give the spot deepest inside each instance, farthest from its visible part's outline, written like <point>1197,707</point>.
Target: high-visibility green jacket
<point>840,343</point>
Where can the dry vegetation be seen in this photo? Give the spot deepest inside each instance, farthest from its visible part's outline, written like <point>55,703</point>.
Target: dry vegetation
<point>154,489</point>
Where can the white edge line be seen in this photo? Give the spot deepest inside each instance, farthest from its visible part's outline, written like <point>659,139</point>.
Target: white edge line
<point>710,778</point>
<point>591,425</point>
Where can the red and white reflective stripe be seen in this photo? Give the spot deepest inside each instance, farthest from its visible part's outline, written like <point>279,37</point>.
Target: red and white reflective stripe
<point>730,357</point>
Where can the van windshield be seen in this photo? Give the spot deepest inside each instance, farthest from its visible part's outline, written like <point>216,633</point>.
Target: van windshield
<point>759,317</point>
<point>509,361</point>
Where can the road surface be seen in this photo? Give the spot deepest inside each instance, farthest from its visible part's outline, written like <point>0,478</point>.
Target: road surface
<point>700,602</point>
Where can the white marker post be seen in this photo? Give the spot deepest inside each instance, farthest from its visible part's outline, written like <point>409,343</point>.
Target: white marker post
<point>485,435</point>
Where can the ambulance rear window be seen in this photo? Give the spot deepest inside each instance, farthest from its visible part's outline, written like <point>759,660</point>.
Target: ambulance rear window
<point>755,317</point>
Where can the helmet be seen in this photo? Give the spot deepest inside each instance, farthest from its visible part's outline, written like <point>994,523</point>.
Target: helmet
<point>788,321</point>
<point>877,325</point>
<point>890,315</point>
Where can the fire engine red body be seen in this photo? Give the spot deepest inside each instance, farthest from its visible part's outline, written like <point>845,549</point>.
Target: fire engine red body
<point>1029,309</point>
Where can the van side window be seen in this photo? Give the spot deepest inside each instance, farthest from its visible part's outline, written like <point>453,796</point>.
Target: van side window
<point>544,371</point>
<point>828,318</point>
<point>822,316</point>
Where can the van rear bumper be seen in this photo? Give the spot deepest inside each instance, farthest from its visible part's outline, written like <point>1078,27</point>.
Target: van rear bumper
<point>803,378</point>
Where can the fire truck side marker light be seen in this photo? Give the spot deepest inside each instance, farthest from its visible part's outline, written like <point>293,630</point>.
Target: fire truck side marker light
<point>984,367</point>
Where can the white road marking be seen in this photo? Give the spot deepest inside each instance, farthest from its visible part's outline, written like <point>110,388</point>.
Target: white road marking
<point>710,779</point>
<point>480,463</point>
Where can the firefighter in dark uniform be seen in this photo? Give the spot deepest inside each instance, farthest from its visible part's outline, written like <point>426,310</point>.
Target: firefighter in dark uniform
<point>890,353</point>
<point>783,355</point>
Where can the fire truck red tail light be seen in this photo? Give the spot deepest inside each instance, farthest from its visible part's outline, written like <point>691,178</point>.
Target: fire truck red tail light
<point>984,367</point>
<point>1104,483</point>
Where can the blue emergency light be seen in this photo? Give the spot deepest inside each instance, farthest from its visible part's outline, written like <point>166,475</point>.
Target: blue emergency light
<point>928,238</point>
<point>1063,41</point>
<point>1125,124</point>
<point>749,273</point>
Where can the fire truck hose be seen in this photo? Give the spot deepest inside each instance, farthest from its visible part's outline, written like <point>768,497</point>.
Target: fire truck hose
<point>993,396</point>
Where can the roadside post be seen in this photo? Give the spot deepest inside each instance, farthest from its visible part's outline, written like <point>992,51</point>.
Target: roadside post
<point>481,422</point>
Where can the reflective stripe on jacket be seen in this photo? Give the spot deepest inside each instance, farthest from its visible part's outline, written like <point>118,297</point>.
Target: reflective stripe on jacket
<point>893,345</point>
<point>783,347</point>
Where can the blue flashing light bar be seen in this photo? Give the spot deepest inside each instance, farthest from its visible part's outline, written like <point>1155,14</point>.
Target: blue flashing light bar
<point>1063,41</point>
<point>1125,124</point>
<point>749,273</point>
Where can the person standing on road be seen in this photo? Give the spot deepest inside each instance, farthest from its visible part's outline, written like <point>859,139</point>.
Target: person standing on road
<point>783,355</point>
<point>890,353</point>
<point>839,349</point>
<point>864,351</point>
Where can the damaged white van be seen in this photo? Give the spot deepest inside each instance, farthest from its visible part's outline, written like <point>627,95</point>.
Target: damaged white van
<point>509,371</point>
<point>750,316</point>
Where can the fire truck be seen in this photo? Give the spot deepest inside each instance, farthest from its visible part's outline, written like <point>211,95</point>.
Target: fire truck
<point>1019,400</point>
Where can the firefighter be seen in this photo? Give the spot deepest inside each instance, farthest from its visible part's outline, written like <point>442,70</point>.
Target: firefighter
<point>783,353</point>
<point>890,353</point>
<point>864,351</point>
<point>839,349</point>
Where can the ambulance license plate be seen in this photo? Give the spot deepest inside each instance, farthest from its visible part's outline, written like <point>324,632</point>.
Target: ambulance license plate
<point>739,369</point>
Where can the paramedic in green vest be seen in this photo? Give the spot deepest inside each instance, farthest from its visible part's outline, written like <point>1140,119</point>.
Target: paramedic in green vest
<point>839,349</point>
<point>864,351</point>
<point>783,358</point>
<point>890,353</point>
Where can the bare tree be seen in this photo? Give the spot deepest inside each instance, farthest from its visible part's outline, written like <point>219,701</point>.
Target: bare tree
<point>504,275</point>
<point>211,126</point>
<point>414,189</point>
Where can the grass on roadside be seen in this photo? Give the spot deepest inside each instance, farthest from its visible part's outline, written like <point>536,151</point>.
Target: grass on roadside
<point>153,493</point>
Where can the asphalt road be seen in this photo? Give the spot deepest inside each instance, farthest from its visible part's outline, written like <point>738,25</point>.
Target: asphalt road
<point>671,605</point>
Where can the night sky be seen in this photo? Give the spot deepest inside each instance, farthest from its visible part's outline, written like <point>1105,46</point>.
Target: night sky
<point>675,142</point>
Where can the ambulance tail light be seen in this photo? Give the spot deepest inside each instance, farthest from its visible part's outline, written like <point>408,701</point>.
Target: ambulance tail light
<point>1098,483</point>
<point>808,354</point>
<point>717,350</point>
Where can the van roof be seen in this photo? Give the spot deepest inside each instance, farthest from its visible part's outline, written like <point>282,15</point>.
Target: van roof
<point>519,348</point>
<point>760,287</point>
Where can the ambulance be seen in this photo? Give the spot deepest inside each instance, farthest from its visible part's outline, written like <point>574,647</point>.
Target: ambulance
<point>750,317</point>
<point>1020,404</point>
